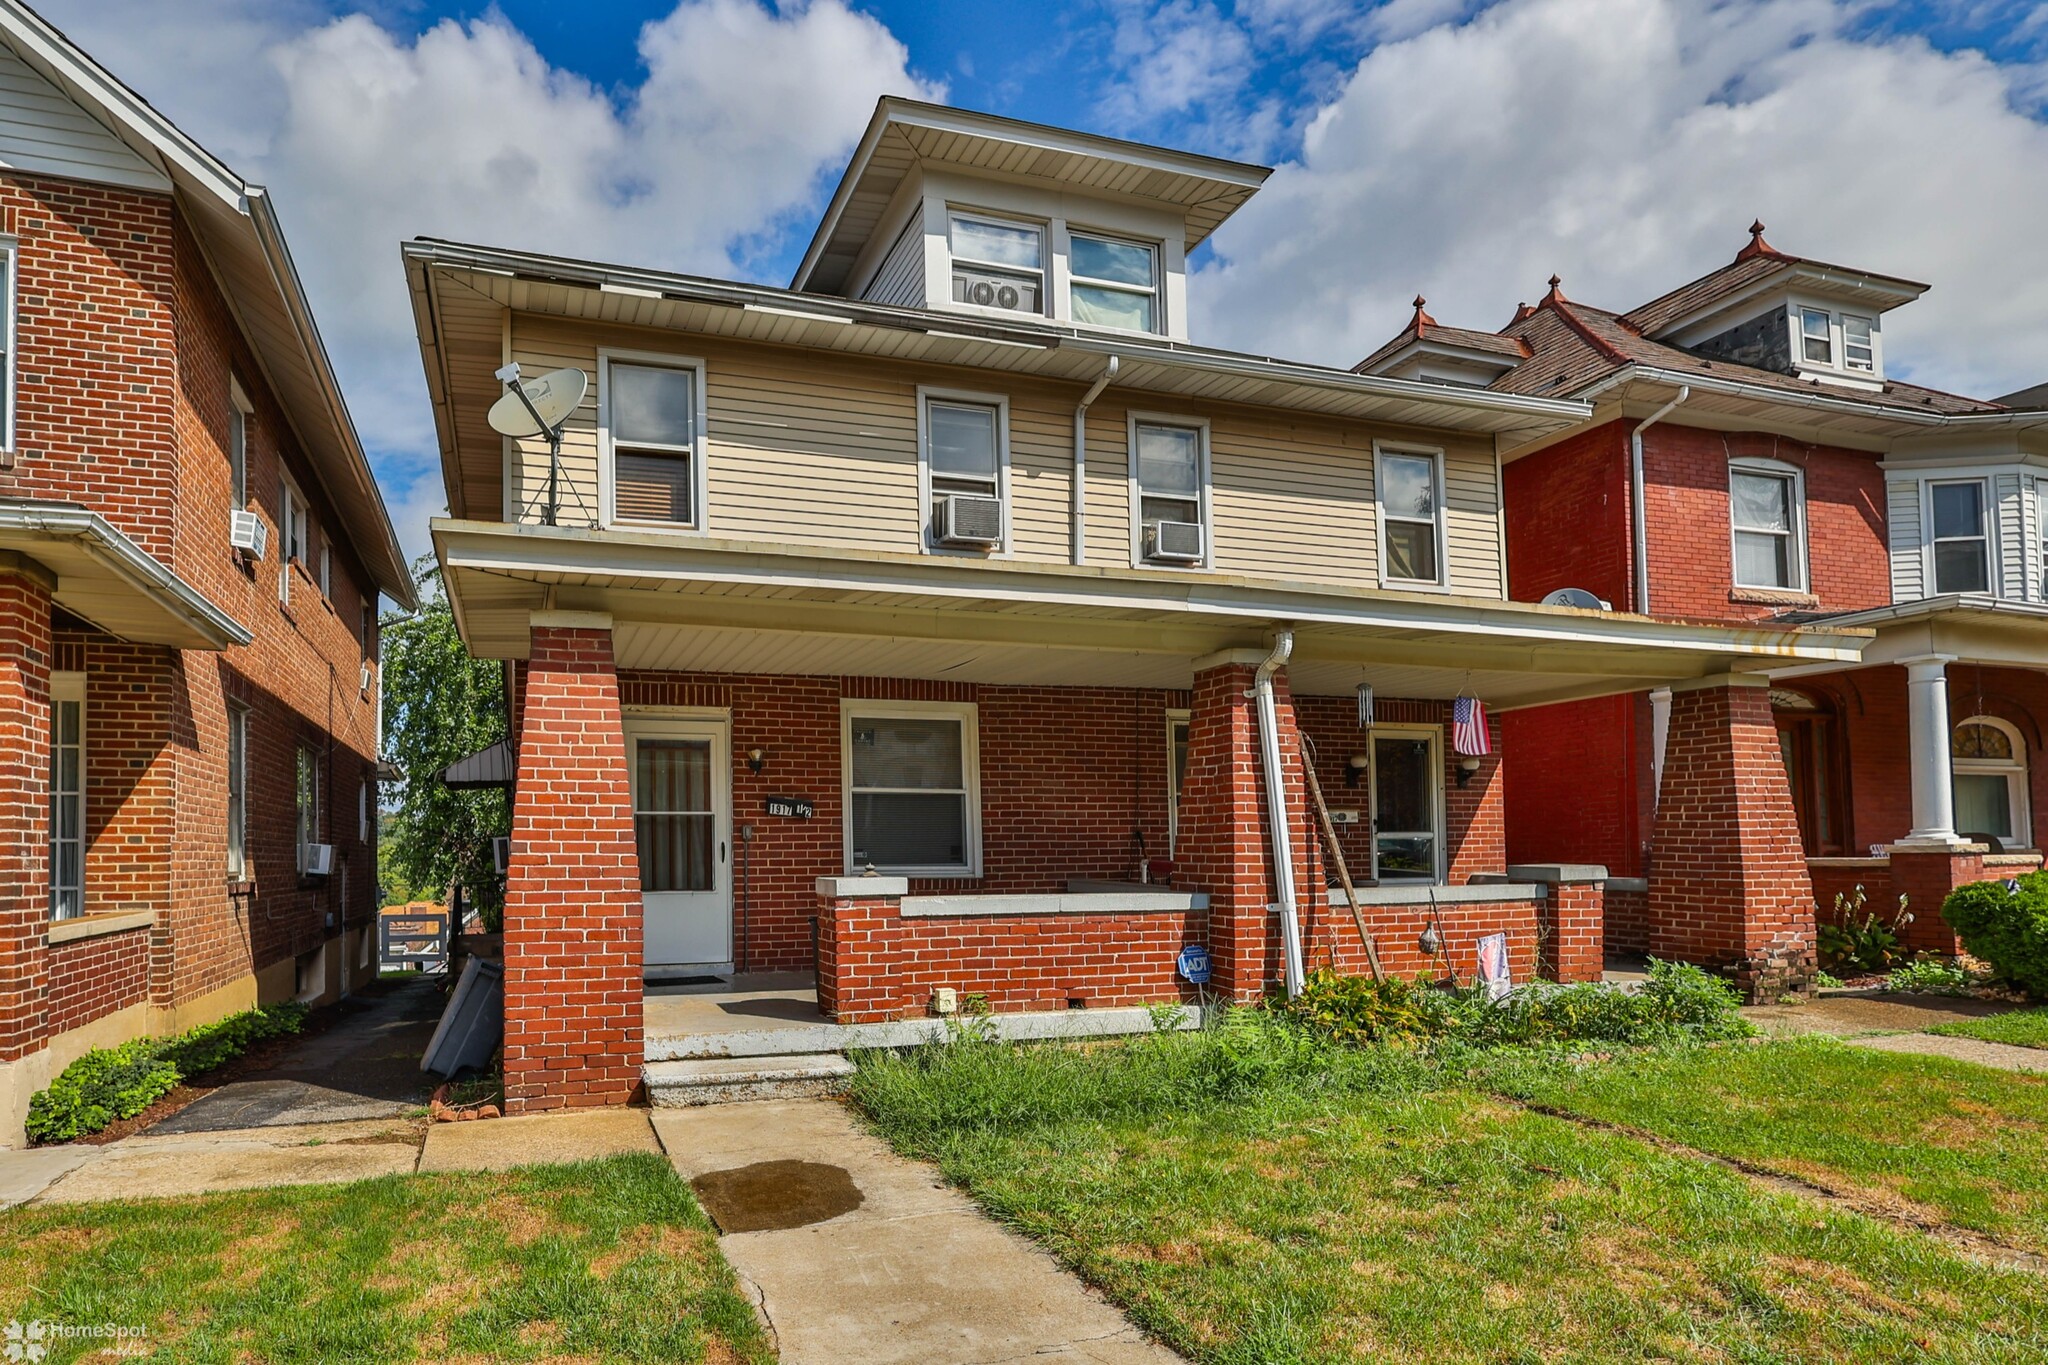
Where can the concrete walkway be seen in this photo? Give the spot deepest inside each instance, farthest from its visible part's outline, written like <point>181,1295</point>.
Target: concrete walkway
<point>2002,1055</point>
<point>1848,1016</point>
<point>859,1257</point>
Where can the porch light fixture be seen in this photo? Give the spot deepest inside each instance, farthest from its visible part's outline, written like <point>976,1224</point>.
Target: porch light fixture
<point>757,759</point>
<point>1466,767</point>
<point>1355,772</point>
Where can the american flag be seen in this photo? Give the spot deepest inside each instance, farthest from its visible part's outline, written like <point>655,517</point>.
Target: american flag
<point>1468,727</point>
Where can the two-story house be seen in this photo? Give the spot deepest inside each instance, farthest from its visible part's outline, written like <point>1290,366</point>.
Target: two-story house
<point>1749,459</point>
<point>952,625</point>
<point>191,552</point>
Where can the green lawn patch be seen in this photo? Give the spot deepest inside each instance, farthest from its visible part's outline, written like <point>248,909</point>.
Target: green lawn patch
<point>1966,1143</point>
<point>1276,1203</point>
<point>2021,1028</point>
<point>602,1261</point>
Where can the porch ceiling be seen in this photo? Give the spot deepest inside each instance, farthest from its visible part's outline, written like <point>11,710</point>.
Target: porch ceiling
<point>735,607</point>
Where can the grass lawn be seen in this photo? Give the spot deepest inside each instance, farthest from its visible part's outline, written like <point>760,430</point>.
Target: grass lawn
<point>604,1261</point>
<point>2023,1028</point>
<point>1966,1143</point>
<point>1394,1216</point>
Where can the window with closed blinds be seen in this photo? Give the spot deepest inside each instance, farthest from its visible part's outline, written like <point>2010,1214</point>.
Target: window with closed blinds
<point>910,791</point>
<point>655,443</point>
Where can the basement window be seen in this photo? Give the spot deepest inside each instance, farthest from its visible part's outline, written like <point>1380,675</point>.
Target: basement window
<point>912,788</point>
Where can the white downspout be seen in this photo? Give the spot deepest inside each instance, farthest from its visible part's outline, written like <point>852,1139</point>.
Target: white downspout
<point>1276,807</point>
<point>1641,538</point>
<point>1080,516</point>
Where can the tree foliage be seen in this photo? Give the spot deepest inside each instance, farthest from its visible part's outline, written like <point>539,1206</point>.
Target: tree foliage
<point>440,705</point>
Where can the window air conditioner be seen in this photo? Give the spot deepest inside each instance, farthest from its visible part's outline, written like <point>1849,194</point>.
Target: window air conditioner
<point>1178,542</point>
<point>246,531</point>
<point>319,860</point>
<point>970,519</point>
<point>501,854</point>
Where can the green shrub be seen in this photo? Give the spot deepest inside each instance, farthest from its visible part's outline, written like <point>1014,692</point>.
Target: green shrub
<point>1358,1009</point>
<point>1930,976</point>
<point>2007,929</point>
<point>112,1083</point>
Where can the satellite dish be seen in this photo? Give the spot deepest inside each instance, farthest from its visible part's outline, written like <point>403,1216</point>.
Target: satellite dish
<point>1576,597</point>
<point>553,396</point>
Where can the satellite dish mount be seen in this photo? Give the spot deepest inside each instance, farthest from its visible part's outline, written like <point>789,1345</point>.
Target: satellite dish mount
<point>540,407</point>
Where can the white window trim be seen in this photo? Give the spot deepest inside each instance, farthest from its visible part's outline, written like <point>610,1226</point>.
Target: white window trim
<point>1204,489</point>
<point>1442,583</point>
<point>10,254</point>
<point>1842,322</point>
<point>70,687</point>
<point>1174,720</point>
<point>238,792</point>
<point>700,462</point>
<point>2015,773</point>
<point>1001,403</point>
<point>1439,801</point>
<point>238,401</point>
<point>1799,561</point>
<point>1045,289</point>
<point>1990,535</point>
<point>1837,365</point>
<point>968,714</point>
<point>1156,292</point>
<point>1799,336</point>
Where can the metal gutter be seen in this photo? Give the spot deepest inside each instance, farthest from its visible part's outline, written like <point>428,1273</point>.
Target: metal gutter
<point>1080,489</point>
<point>1278,832</point>
<point>128,562</point>
<point>1639,532</point>
<point>1846,407</point>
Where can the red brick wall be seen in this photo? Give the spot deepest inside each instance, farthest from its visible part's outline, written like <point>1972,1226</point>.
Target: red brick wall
<point>1692,571</point>
<point>572,898</point>
<point>1330,938</point>
<point>1626,915</point>
<point>92,977</point>
<point>1579,783</point>
<point>1568,518</point>
<point>25,649</point>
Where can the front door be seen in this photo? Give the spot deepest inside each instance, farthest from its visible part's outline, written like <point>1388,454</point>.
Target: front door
<point>1404,805</point>
<point>682,824</point>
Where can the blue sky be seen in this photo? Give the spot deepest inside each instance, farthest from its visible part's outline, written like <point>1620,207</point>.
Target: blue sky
<point>1461,148</point>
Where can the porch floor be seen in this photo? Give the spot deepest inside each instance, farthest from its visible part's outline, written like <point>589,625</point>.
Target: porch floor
<point>750,1002</point>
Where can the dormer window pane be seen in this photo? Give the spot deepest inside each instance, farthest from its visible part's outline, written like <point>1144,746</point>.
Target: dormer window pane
<point>1857,350</point>
<point>1818,340</point>
<point>998,264</point>
<point>1962,550</point>
<point>1115,284</point>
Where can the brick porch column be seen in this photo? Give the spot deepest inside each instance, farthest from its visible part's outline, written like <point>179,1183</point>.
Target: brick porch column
<point>1728,881</point>
<point>858,948</point>
<point>573,958</point>
<point>1222,842</point>
<point>1925,876</point>
<point>1572,920</point>
<point>24,811</point>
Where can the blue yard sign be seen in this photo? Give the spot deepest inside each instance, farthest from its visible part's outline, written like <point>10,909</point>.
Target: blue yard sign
<point>1194,964</point>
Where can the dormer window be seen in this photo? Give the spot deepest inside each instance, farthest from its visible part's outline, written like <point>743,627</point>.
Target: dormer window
<point>1114,283</point>
<point>1816,336</point>
<point>998,263</point>
<point>1859,352</point>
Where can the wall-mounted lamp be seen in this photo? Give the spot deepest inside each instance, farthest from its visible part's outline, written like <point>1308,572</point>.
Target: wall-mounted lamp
<point>757,759</point>
<point>1466,767</point>
<point>1355,773</point>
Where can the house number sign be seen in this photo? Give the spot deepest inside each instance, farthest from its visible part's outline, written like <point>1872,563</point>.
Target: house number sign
<point>789,807</point>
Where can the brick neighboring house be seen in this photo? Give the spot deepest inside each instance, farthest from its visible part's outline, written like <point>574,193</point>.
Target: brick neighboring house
<point>182,723</point>
<point>1749,460</point>
<point>861,574</point>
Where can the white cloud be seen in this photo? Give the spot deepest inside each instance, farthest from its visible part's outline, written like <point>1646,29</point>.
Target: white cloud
<point>465,131</point>
<point>1627,144</point>
<point>1172,57</point>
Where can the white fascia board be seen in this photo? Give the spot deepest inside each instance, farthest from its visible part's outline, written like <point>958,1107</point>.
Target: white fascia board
<point>127,562</point>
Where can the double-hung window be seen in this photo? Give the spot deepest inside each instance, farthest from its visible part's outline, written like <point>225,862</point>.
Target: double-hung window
<point>653,421</point>
<point>964,454</point>
<point>998,263</point>
<point>1411,509</point>
<point>8,260</point>
<point>912,788</point>
<point>308,795</point>
<point>1167,477</point>
<point>1113,283</point>
<point>1816,336</point>
<point>1766,512</point>
<point>67,795</point>
<point>239,414</point>
<point>291,530</point>
<point>1859,346</point>
<point>238,791</point>
<point>1961,536</point>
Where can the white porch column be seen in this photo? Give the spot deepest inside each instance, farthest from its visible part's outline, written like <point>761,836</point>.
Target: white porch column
<point>1934,814</point>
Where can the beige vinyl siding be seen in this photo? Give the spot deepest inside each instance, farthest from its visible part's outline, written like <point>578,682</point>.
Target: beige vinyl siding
<point>900,278</point>
<point>44,133</point>
<point>1909,567</point>
<point>819,450</point>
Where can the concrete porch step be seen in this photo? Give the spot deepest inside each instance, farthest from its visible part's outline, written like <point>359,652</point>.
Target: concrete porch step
<point>723,1080</point>
<point>787,1040</point>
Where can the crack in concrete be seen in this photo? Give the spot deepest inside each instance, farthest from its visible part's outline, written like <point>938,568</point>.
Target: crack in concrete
<point>1131,1334</point>
<point>760,1301</point>
<point>1977,1246</point>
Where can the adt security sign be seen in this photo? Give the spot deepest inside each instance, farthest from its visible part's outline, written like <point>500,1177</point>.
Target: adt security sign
<point>1194,964</point>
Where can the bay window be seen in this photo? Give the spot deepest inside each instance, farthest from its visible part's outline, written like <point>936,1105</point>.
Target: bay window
<point>912,790</point>
<point>1961,539</point>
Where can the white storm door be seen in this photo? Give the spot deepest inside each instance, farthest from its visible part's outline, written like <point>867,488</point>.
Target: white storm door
<point>682,825</point>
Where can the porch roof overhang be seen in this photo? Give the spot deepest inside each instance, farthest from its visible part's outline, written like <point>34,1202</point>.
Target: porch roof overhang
<point>699,604</point>
<point>1967,627</point>
<point>102,576</point>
